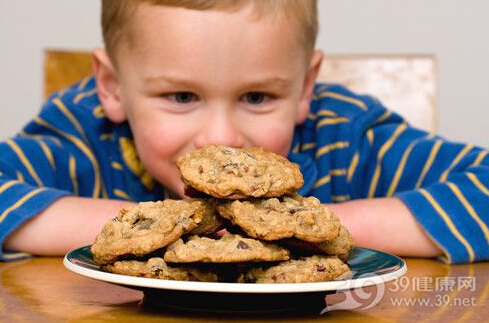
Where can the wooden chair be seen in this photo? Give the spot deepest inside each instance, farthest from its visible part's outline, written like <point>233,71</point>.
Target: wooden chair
<point>405,84</point>
<point>63,68</point>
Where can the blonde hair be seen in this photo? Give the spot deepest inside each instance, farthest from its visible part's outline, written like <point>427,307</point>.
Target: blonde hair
<point>117,15</point>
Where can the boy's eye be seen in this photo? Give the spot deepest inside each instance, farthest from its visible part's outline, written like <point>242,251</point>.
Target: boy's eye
<point>181,97</point>
<point>254,97</point>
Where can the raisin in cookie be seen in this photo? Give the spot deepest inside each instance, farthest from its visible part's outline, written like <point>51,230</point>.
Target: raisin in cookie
<point>146,228</point>
<point>285,217</point>
<point>304,270</point>
<point>230,248</point>
<point>157,268</point>
<point>234,173</point>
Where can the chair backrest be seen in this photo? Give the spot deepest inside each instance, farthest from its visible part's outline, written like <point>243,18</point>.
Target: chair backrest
<point>63,68</point>
<point>404,83</point>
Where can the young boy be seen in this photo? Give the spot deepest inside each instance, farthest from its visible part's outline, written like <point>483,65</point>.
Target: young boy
<point>179,75</point>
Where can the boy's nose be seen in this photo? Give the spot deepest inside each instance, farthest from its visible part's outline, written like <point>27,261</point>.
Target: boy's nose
<point>220,128</point>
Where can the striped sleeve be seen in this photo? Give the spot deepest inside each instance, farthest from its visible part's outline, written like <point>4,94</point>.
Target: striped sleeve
<point>444,184</point>
<point>52,157</point>
<point>27,171</point>
<point>19,202</point>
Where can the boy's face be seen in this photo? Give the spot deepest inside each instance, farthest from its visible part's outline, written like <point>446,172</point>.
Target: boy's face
<point>193,78</point>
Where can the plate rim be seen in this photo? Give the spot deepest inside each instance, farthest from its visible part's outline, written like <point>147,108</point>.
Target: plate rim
<point>222,287</point>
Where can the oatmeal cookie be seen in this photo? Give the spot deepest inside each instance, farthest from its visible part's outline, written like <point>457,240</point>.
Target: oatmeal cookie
<point>156,267</point>
<point>230,248</point>
<point>339,246</point>
<point>233,173</point>
<point>285,217</point>
<point>211,221</point>
<point>304,270</point>
<point>146,227</point>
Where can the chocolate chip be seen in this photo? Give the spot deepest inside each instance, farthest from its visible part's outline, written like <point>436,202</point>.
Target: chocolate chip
<point>156,271</point>
<point>298,209</point>
<point>243,245</point>
<point>280,276</point>
<point>320,268</point>
<point>201,169</point>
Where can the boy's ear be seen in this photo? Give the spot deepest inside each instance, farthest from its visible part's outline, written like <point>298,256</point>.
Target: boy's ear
<point>308,87</point>
<point>108,86</point>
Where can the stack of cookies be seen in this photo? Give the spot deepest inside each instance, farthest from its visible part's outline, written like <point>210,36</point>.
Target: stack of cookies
<point>245,223</point>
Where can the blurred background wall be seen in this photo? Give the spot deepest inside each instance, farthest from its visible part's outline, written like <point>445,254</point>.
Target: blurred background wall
<point>454,31</point>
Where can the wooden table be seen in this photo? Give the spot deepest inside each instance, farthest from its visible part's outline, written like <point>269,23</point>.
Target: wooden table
<point>42,290</point>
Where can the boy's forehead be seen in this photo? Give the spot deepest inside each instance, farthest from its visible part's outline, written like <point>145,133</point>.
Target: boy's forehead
<point>161,32</point>
<point>145,10</point>
<point>158,22</point>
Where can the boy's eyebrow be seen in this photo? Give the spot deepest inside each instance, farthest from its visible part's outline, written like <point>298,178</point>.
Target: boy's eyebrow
<point>270,81</point>
<point>280,82</point>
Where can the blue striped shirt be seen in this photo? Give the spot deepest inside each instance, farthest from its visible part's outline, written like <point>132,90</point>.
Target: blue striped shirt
<point>349,147</point>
